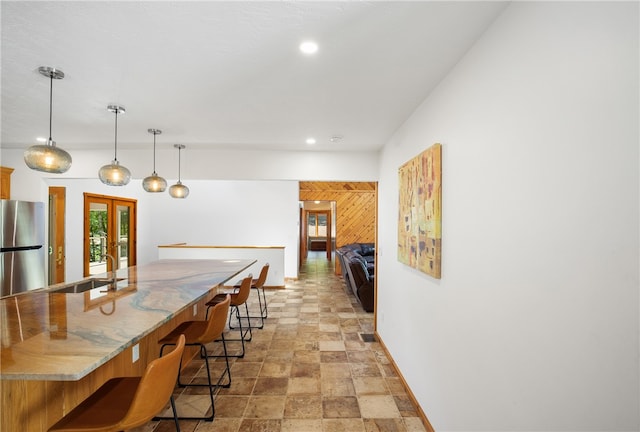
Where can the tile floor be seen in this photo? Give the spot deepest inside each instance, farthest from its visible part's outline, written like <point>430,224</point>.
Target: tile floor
<point>308,370</point>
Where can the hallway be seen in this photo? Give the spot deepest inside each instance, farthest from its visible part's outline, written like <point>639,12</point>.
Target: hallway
<point>308,370</point>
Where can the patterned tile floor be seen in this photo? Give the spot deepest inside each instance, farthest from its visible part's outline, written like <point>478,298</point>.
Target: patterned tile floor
<point>308,370</point>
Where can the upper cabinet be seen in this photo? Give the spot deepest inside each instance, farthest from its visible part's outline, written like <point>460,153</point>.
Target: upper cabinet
<point>5,182</point>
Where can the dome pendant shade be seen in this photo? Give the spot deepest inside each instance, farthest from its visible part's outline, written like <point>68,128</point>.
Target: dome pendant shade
<point>115,174</point>
<point>47,157</point>
<point>154,183</point>
<point>179,190</point>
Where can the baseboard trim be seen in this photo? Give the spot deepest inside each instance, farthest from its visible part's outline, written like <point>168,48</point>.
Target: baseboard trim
<point>412,397</point>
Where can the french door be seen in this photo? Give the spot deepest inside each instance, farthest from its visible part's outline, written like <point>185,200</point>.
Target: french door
<point>109,230</point>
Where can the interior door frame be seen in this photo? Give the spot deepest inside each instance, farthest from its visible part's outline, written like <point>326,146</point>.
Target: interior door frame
<point>329,238</point>
<point>112,202</point>
<point>303,236</point>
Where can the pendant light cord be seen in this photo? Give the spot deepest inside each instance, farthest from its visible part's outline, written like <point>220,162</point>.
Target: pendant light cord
<point>179,151</point>
<point>115,155</point>
<point>50,104</point>
<point>154,153</point>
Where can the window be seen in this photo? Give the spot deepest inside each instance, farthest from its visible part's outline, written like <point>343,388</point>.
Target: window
<point>317,224</point>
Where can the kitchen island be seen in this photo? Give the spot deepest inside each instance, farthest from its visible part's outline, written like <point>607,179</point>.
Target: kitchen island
<point>60,346</point>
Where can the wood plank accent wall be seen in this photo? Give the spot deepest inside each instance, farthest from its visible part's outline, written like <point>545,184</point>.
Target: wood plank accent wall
<point>355,208</point>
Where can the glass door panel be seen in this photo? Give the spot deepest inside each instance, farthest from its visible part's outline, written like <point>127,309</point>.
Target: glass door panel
<point>122,250</point>
<point>97,235</point>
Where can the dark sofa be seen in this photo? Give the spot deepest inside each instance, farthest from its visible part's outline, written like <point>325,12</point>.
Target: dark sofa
<point>358,265</point>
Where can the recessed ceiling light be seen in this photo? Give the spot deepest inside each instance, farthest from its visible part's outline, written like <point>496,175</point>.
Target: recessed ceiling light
<point>309,47</point>
<point>41,139</point>
<point>311,141</point>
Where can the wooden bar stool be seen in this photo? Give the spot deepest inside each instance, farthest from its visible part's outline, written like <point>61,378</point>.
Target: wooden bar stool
<point>238,298</point>
<point>199,333</point>
<point>128,402</point>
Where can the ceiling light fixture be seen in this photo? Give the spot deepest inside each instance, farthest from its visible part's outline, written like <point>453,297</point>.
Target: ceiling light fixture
<point>47,157</point>
<point>115,174</point>
<point>179,190</point>
<point>309,47</point>
<point>154,183</point>
<point>310,141</point>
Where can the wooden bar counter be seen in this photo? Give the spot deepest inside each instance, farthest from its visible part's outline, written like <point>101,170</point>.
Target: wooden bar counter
<point>57,348</point>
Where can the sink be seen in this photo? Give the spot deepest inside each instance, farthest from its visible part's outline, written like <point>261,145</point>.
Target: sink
<point>85,285</point>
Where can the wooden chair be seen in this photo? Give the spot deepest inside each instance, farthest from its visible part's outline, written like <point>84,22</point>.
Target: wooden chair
<point>128,402</point>
<point>200,333</point>
<point>238,298</point>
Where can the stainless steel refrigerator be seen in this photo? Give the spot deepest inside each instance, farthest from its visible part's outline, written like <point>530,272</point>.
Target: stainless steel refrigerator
<point>21,246</point>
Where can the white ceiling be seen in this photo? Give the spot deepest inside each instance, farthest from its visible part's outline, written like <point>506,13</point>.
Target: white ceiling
<point>227,74</point>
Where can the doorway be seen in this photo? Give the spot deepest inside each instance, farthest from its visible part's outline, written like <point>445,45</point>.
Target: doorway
<point>317,233</point>
<point>109,230</point>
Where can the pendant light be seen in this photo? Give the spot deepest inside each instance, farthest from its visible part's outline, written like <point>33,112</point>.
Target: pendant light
<point>154,183</point>
<point>47,157</point>
<point>115,174</point>
<point>179,190</point>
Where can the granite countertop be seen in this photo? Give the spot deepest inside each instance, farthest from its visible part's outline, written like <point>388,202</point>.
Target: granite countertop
<point>49,335</point>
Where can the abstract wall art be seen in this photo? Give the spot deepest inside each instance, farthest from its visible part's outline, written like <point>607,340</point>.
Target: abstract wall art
<point>420,212</point>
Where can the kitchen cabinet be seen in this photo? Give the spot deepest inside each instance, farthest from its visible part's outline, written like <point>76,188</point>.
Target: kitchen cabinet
<point>5,182</point>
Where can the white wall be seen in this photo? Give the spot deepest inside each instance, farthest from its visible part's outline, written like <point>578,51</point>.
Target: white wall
<point>534,324</point>
<point>232,213</point>
<point>257,204</point>
<point>215,213</point>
